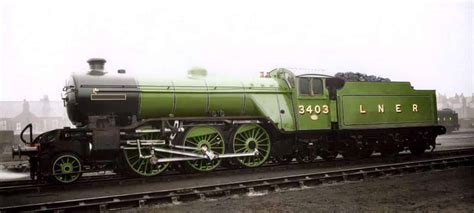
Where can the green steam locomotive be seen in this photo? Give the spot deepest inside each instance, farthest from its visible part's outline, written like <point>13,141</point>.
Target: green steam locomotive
<point>141,126</point>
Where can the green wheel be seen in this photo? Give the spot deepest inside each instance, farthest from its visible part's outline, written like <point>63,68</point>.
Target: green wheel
<point>66,168</point>
<point>204,137</point>
<point>144,166</point>
<point>248,138</point>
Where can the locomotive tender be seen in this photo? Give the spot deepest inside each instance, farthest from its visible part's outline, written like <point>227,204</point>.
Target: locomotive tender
<point>141,126</point>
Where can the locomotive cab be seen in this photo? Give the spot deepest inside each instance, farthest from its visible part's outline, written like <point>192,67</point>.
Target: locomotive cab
<point>313,104</point>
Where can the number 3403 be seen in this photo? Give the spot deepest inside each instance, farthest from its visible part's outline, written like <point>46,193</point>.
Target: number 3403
<point>310,109</point>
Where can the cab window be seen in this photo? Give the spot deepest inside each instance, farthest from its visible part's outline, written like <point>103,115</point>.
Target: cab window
<point>317,86</point>
<point>310,86</point>
<point>305,86</point>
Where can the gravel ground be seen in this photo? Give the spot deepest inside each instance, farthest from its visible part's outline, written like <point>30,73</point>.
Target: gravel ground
<point>457,140</point>
<point>439,191</point>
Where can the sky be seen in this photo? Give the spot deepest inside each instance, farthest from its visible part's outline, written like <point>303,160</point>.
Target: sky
<point>426,42</point>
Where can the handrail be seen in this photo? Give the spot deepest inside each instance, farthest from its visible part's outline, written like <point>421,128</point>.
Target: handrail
<point>29,126</point>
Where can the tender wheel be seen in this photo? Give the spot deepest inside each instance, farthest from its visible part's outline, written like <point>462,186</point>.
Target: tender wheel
<point>417,149</point>
<point>327,155</point>
<point>367,149</point>
<point>204,138</point>
<point>305,155</point>
<point>66,168</point>
<point>351,150</point>
<point>421,142</point>
<point>283,159</point>
<point>359,152</point>
<point>248,138</point>
<point>389,149</point>
<point>143,166</point>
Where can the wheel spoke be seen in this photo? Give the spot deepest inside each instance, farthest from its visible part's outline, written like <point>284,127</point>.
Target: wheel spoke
<point>260,150</point>
<point>65,168</point>
<point>143,167</point>
<point>241,149</point>
<point>205,136</point>
<point>252,133</point>
<point>191,142</point>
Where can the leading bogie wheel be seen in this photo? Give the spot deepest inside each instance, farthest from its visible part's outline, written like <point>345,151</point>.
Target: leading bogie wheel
<point>204,138</point>
<point>250,137</point>
<point>66,168</point>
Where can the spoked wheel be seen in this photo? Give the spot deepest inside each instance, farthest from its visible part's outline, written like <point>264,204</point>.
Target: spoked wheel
<point>248,138</point>
<point>144,166</point>
<point>204,138</point>
<point>66,168</point>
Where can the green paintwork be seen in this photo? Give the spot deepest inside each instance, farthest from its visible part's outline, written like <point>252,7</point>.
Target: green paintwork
<point>204,136</point>
<point>372,94</point>
<point>143,166</point>
<point>277,97</point>
<point>200,97</point>
<point>310,102</point>
<point>249,137</point>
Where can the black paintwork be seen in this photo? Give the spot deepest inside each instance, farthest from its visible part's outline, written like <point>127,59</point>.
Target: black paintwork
<point>80,97</point>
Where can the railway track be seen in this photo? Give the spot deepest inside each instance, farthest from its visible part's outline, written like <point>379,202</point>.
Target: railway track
<point>248,187</point>
<point>8,187</point>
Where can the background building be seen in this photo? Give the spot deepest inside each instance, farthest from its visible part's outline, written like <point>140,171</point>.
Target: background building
<point>464,106</point>
<point>44,115</point>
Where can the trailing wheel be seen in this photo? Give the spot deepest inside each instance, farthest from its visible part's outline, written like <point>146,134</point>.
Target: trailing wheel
<point>66,168</point>
<point>250,137</point>
<point>137,166</point>
<point>203,139</point>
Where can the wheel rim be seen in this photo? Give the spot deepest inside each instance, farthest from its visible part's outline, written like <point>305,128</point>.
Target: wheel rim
<point>143,166</point>
<point>249,137</point>
<point>209,137</point>
<point>67,168</point>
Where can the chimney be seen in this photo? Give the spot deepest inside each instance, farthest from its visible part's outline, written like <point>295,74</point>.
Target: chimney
<point>26,106</point>
<point>96,66</point>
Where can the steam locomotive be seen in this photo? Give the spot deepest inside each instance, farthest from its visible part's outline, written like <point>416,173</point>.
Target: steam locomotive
<point>141,126</point>
<point>449,119</point>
